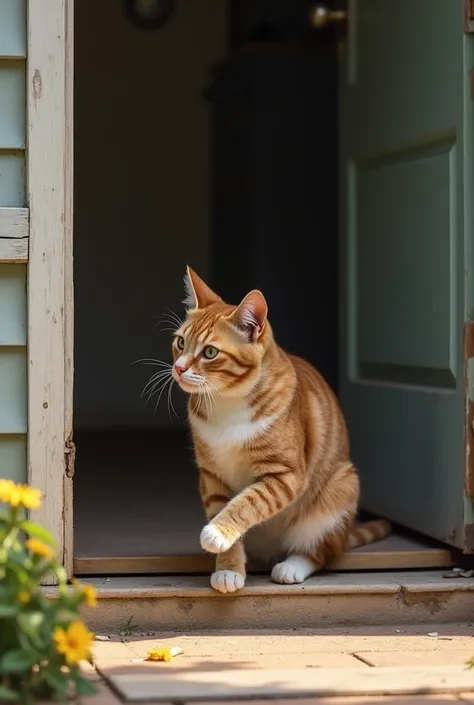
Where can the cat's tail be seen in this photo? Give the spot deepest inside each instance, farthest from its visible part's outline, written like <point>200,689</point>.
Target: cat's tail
<point>369,532</point>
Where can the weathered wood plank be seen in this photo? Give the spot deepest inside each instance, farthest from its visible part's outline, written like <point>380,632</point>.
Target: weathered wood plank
<point>13,249</point>
<point>350,561</point>
<point>46,158</point>
<point>14,223</point>
<point>69,289</point>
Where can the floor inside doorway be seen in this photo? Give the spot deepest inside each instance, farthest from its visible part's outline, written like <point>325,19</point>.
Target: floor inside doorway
<point>137,510</point>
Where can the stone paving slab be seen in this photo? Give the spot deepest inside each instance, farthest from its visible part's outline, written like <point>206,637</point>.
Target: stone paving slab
<point>445,638</point>
<point>222,660</point>
<point>238,683</point>
<point>106,696</point>
<point>357,700</point>
<point>182,664</point>
<point>416,658</point>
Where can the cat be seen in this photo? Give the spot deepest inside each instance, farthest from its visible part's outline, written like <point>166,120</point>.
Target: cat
<point>270,441</point>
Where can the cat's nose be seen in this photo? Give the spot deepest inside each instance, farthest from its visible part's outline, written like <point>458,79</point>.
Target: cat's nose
<point>180,367</point>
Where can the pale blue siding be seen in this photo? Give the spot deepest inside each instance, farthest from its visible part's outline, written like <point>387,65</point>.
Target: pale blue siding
<point>12,178</point>
<point>12,28</point>
<point>13,112</point>
<point>13,328</point>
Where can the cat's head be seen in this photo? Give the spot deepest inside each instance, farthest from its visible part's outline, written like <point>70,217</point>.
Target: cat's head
<point>219,348</point>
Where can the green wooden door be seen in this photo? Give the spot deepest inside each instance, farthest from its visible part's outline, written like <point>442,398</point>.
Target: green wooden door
<point>406,223</point>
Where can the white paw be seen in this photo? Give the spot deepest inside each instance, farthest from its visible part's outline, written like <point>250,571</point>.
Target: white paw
<point>294,570</point>
<point>227,581</point>
<point>213,540</point>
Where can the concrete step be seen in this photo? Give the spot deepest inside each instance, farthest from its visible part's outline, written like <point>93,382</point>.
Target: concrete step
<point>185,603</point>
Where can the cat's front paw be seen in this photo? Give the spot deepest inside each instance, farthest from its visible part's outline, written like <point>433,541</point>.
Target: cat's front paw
<point>213,540</point>
<point>227,581</point>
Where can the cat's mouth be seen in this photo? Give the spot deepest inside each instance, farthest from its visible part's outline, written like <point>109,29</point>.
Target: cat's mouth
<point>189,382</point>
<point>188,387</point>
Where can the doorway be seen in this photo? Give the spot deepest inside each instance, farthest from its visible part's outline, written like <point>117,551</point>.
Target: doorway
<point>217,131</point>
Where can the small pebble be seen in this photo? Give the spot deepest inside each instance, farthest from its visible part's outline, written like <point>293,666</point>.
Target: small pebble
<point>452,574</point>
<point>433,634</point>
<point>102,637</point>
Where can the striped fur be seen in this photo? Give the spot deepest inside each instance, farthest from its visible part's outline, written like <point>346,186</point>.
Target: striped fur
<point>271,445</point>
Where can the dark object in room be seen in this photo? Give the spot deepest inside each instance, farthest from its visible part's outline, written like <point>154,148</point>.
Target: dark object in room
<point>149,14</point>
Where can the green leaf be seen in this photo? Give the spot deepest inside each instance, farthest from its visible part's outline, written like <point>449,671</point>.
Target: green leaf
<point>8,611</point>
<point>16,661</point>
<point>56,679</point>
<point>8,695</point>
<point>84,686</point>
<point>31,624</point>
<point>26,697</point>
<point>31,621</point>
<point>39,532</point>
<point>26,645</point>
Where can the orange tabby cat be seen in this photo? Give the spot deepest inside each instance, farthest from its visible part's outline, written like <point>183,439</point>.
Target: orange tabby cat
<point>270,441</point>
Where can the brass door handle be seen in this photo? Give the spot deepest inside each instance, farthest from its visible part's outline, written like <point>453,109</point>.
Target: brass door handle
<point>321,16</point>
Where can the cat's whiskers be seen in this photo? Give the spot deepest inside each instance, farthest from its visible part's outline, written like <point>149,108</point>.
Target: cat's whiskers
<point>170,401</point>
<point>172,329</point>
<point>154,381</point>
<point>158,380</point>
<point>207,396</point>
<point>173,316</point>
<point>156,389</point>
<point>152,361</point>
<point>169,381</point>
<point>166,369</point>
<point>171,320</point>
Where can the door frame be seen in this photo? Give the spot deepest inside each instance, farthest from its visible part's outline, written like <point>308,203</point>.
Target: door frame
<point>49,163</point>
<point>51,451</point>
<point>469,277</point>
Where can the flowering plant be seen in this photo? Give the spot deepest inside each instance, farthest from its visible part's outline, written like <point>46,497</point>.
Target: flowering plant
<point>42,641</point>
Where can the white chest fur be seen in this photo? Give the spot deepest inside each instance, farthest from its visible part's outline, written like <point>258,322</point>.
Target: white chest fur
<point>229,429</point>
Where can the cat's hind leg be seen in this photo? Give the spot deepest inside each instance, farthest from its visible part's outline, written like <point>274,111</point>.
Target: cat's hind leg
<point>294,569</point>
<point>310,545</point>
<point>322,532</point>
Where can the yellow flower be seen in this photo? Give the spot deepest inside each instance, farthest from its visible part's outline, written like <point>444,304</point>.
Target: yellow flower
<point>39,548</point>
<point>74,642</point>
<point>24,597</point>
<point>89,592</point>
<point>19,495</point>
<point>159,655</point>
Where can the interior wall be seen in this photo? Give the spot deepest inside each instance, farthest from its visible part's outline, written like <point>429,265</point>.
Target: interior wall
<point>275,172</point>
<point>141,211</point>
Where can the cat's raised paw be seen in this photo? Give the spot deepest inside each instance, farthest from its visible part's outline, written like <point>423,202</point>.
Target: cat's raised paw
<point>227,581</point>
<point>294,570</point>
<point>213,540</point>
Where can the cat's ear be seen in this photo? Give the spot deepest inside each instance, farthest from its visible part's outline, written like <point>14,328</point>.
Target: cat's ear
<point>198,294</point>
<point>250,316</point>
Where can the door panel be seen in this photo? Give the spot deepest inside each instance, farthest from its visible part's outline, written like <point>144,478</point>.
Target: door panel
<point>402,167</point>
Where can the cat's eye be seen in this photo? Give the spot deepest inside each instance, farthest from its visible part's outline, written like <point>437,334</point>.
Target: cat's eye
<point>180,342</point>
<point>210,352</point>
